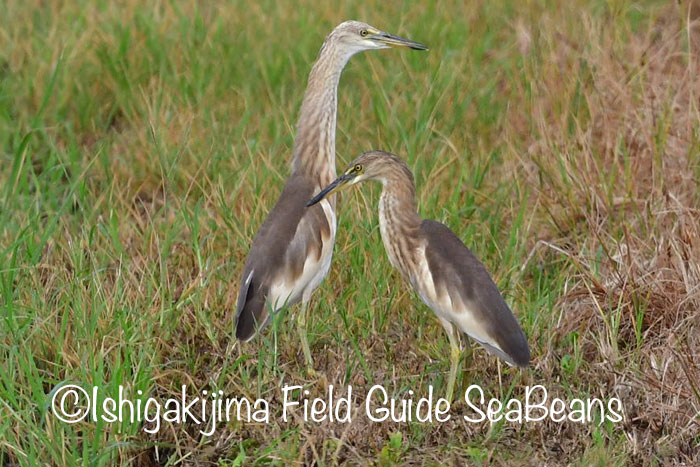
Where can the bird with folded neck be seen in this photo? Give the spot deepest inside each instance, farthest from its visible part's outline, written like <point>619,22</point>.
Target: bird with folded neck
<point>444,272</point>
<point>291,253</point>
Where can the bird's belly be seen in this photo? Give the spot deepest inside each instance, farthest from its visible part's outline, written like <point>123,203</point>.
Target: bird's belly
<point>422,281</point>
<point>286,291</point>
<point>319,270</point>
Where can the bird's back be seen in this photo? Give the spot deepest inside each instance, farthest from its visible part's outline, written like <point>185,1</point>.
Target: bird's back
<point>290,255</point>
<point>467,296</point>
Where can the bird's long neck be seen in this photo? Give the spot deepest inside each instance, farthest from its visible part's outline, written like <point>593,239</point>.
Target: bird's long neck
<point>314,147</point>
<point>399,221</point>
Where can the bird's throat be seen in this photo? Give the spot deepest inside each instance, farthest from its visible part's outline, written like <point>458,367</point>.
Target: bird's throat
<point>399,224</point>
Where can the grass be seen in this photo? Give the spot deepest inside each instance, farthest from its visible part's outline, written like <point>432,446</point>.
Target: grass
<point>142,146</point>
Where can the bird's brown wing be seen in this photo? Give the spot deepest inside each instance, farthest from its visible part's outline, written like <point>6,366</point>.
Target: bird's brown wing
<point>288,236</point>
<point>456,271</point>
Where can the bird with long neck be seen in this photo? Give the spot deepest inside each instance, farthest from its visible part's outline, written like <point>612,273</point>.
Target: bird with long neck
<point>291,253</point>
<point>444,272</point>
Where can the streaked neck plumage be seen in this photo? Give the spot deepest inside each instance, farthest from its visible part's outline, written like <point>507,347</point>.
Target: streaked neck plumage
<point>399,221</point>
<point>314,147</point>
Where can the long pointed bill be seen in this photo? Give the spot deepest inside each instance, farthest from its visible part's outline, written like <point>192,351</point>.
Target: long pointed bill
<point>336,185</point>
<point>397,41</point>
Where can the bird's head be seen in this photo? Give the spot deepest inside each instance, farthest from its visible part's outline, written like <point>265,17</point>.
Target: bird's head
<point>356,36</point>
<point>373,165</point>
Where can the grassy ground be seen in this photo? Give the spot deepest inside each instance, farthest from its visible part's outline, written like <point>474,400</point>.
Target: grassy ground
<point>142,146</point>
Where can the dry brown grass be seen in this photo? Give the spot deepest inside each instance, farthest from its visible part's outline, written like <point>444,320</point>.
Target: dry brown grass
<point>618,176</point>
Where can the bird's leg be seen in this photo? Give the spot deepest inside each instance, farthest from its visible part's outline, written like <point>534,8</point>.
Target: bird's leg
<point>454,357</point>
<point>469,352</point>
<point>301,325</point>
<point>454,365</point>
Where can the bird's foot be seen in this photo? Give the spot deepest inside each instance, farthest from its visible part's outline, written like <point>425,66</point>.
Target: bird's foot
<point>310,372</point>
<point>318,376</point>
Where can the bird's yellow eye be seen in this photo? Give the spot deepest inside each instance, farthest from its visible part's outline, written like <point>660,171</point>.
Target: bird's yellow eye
<point>357,168</point>
<point>363,32</point>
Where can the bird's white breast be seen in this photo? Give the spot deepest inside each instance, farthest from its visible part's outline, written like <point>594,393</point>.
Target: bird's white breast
<point>319,269</point>
<point>290,290</point>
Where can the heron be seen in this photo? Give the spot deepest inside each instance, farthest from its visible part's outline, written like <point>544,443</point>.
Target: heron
<point>291,253</point>
<point>444,272</point>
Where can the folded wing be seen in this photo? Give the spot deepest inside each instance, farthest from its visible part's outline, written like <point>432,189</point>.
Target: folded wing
<point>468,297</point>
<point>284,259</point>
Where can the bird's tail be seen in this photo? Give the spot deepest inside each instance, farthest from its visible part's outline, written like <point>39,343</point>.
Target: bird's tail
<point>516,352</point>
<point>251,314</point>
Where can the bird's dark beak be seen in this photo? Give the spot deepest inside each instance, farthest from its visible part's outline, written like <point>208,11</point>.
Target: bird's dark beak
<point>396,41</point>
<point>336,185</point>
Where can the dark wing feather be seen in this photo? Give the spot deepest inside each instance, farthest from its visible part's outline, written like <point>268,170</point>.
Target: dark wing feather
<point>452,265</point>
<point>272,251</point>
